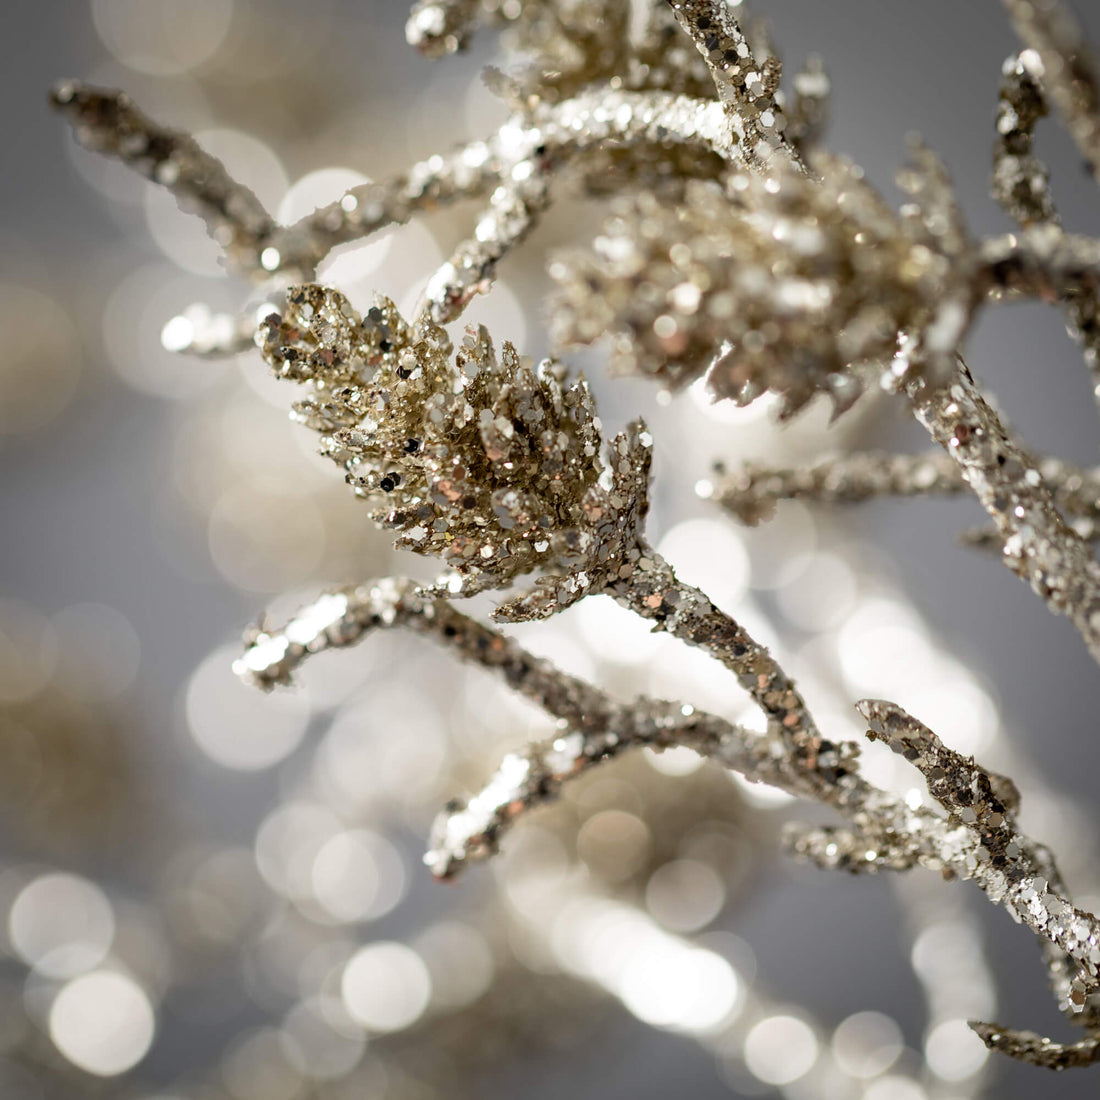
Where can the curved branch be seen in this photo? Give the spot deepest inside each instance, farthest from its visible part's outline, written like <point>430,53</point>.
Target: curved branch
<point>345,616</point>
<point>1027,1046</point>
<point>1021,181</point>
<point>108,122</point>
<point>835,848</point>
<point>652,590</point>
<point>1021,185</point>
<point>1011,868</point>
<point>529,146</point>
<point>513,212</point>
<point>1065,63</point>
<point>469,829</point>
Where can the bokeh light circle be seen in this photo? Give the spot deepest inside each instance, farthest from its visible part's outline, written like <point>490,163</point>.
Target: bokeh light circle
<point>162,37</point>
<point>386,987</point>
<point>102,1022</point>
<point>235,725</point>
<point>61,924</point>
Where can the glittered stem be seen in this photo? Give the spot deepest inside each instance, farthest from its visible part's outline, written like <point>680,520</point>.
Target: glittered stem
<point>344,617</point>
<point>519,155</point>
<point>1021,182</point>
<point>1021,185</point>
<point>977,798</point>
<point>469,829</point>
<point>1012,869</point>
<point>108,122</point>
<point>750,492</point>
<point>539,141</point>
<point>1027,1046</point>
<point>653,591</point>
<point>594,727</point>
<point>745,87</point>
<point>989,538</point>
<point>1039,262</point>
<point>835,848</point>
<point>1068,72</point>
<point>1038,545</point>
<point>464,173</point>
<point>515,207</point>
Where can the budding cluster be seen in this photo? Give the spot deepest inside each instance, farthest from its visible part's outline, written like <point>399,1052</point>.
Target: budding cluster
<point>775,281</point>
<point>486,461</point>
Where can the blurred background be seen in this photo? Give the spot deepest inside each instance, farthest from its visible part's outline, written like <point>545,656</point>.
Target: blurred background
<point>210,893</point>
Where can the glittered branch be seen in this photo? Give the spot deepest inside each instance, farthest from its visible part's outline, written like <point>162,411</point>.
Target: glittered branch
<point>1039,262</point>
<point>513,165</point>
<point>533,147</point>
<point>1013,870</point>
<point>835,848</point>
<point>1027,1046</point>
<point>468,172</point>
<point>594,727</point>
<point>108,122</point>
<point>1059,55</point>
<point>745,87</point>
<point>989,538</point>
<point>1021,185</point>
<point>1038,545</point>
<point>344,617</point>
<point>969,794</point>
<point>652,590</point>
<point>1021,182</point>
<point>597,727</point>
<point>513,213</point>
<point>977,841</point>
<point>751,492</point>
<point>469,829</point>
